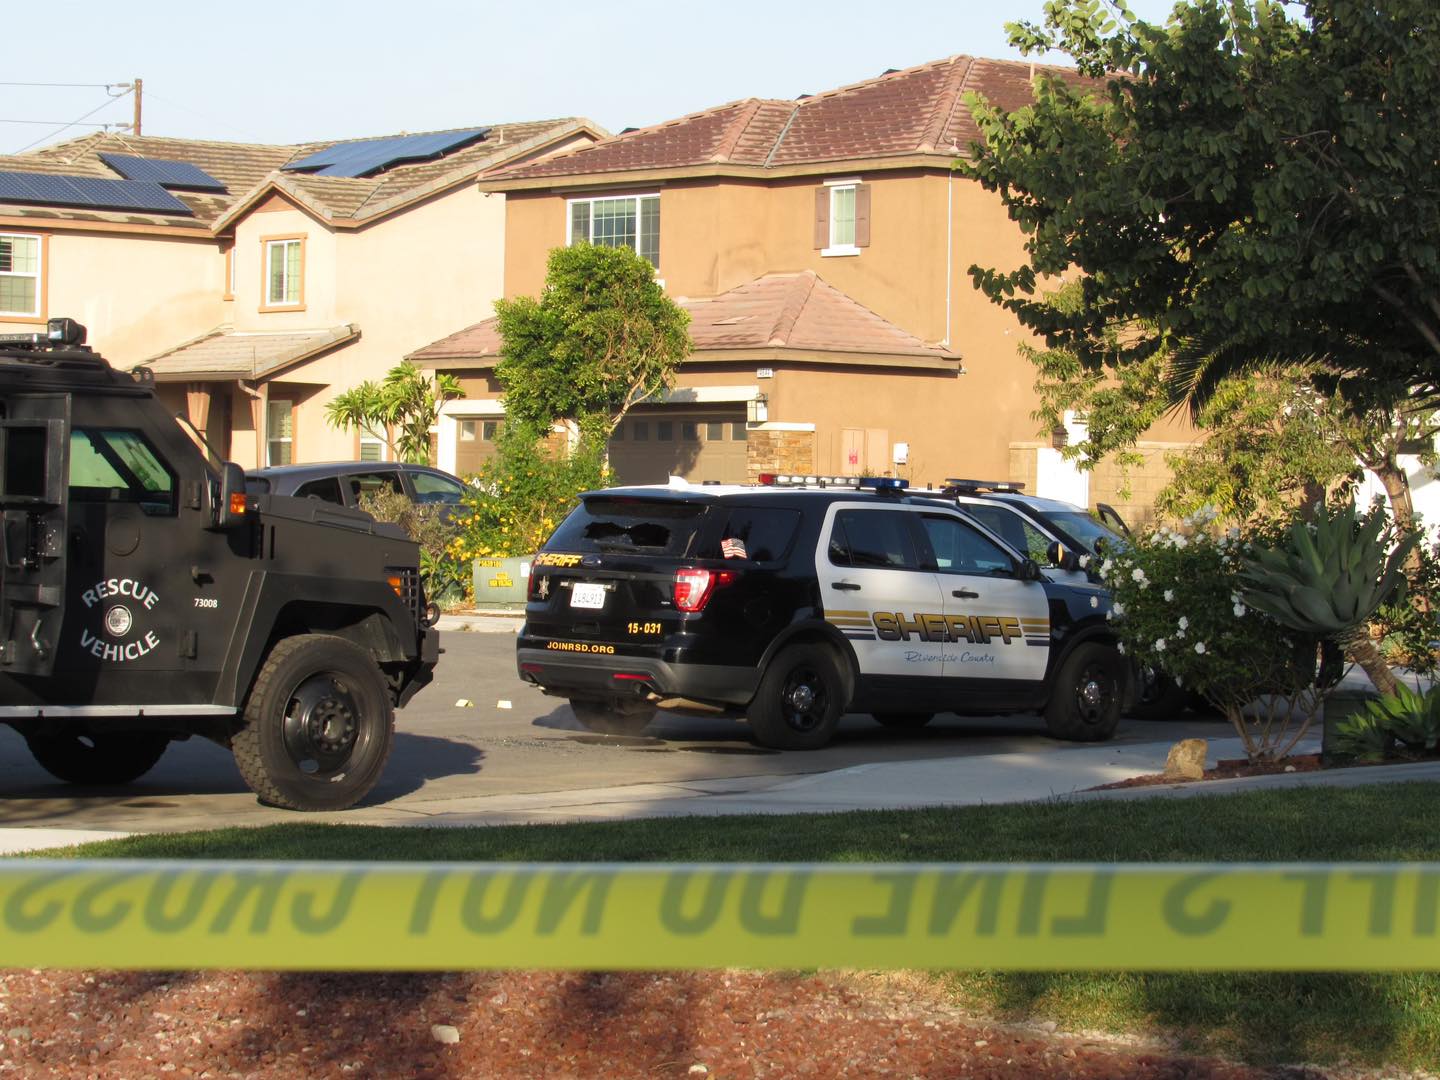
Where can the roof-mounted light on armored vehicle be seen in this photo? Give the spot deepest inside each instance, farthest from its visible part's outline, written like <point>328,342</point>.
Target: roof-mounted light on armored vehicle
<point>65,332</point>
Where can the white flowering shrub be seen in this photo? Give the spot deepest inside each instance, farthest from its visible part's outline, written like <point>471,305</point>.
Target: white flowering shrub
<point>1178,610</point>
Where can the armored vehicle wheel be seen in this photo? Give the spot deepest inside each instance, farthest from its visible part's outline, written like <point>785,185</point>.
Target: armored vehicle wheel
<point>107,758</point>
<point>800,699</point>
<point>611,721</point>
<point>903,719</point>
<point>1085,703</point>
<point>319,725</point>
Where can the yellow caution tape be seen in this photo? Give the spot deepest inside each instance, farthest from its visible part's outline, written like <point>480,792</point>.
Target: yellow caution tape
<point>417,916</point>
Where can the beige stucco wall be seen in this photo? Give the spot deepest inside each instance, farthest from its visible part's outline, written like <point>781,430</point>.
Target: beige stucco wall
<point>135,294</point>
<point>405,281</point>
<point>719,234</point>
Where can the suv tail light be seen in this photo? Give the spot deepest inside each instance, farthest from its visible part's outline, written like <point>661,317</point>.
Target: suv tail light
<point>693,586</point>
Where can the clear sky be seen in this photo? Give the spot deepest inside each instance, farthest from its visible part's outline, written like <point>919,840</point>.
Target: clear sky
<point>299,70</point>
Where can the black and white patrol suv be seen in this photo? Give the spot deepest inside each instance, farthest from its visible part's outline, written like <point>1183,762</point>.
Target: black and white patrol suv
<point>791,607</point>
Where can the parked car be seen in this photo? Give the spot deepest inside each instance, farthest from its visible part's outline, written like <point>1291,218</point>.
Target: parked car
<point>792,606</point>
<point>343,482</point>
<point>1033,526</point>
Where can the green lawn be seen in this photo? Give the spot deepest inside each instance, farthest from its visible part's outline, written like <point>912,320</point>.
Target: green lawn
<point>1260,1017</point>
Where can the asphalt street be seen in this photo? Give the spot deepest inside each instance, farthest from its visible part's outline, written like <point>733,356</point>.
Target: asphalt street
<point>513,740</point>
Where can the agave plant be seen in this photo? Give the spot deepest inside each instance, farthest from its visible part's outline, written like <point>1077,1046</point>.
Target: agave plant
<point>1328,578</point>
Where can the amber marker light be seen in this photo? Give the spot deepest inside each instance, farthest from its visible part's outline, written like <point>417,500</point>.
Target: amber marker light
<point>238,505</point>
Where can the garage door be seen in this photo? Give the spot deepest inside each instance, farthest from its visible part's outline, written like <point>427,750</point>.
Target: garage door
<point>649,447</point>
<point>474,444</point>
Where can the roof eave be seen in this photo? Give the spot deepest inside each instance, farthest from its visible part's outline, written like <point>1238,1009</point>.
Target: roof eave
<point>946,362</point>
<point>629,177</point>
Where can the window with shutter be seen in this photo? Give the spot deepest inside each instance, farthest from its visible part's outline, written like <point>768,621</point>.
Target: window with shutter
<point>842,217</point>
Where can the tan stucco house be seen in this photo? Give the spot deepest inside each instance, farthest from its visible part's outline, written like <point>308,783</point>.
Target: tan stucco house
<point>822,246</point>
<point>256,282</point>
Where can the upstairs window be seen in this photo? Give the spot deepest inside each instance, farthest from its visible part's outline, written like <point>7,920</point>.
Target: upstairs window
<point>284,272</point>
<point>279,431</point>
<point>20,292</point>
<point>842,217</point>
<point>631,221</point>
<point>373,445</point>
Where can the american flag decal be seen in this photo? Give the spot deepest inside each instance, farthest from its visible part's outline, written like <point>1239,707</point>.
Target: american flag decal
<point>733,548</point>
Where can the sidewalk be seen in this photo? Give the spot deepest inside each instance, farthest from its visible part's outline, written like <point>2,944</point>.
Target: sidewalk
<point>959,781</point>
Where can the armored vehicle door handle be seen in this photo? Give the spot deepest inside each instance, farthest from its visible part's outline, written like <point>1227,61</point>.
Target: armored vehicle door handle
<point>964,594</point>
<point>848,586</point>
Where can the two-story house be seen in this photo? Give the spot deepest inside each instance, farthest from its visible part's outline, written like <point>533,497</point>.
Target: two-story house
<point>256,282</point>
<point>822,247</point>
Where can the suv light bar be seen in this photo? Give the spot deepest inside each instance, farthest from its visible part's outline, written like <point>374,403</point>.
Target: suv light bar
<point>955,486</point>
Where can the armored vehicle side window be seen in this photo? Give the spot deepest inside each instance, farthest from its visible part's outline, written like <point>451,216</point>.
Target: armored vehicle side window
<point>115,465</point>
<point>757,533</point>
<point>655,527</point>
<point>326,489</point>
<point>873,538</point>
<point>959,549</point>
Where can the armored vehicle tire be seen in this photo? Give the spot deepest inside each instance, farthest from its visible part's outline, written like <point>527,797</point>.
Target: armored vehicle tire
<point>903,720</point>
<point>800,699</point>
<point>106,758</point>
<point>319,725</point>
<point>1085,703</point>
<point>605,720</point>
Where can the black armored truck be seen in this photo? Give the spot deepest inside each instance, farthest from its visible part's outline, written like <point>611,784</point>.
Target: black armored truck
<point>145,596</point>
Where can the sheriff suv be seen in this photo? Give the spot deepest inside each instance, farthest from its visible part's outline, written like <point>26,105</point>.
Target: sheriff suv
<point>791,607</point>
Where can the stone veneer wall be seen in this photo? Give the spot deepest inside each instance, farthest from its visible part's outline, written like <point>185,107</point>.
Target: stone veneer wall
<point>1144,481</point>
<point>779,452</point>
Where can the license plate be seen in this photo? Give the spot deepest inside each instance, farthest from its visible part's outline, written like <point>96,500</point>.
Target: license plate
<point>588,596</point>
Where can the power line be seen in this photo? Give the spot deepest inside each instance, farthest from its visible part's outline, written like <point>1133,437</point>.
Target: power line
<point>73,123</point>
<point>82,85</point>
<point>78,120</point>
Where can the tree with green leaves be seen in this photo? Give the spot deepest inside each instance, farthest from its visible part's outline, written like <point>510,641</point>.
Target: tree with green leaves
<point>1245,188</point>
<point>401,409</point>
<point>601,336</point>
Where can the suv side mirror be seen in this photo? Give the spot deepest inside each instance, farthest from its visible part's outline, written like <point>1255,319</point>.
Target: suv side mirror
<point>1061,556</point>
<point>1030,570</point>
<point>231,507</point>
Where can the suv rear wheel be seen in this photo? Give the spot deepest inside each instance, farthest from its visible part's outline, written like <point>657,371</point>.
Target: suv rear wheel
<point>319,724</point>
<point>607,720</point>
<point>800,699</point>
<point>1085,703</point>
<point>104,758</point>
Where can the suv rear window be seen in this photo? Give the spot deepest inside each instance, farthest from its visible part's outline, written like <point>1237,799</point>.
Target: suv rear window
<point>654,527</point>
<point>757,533</point>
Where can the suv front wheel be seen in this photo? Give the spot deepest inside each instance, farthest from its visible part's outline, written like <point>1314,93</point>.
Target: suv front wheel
<point>1086,698</point>
<point>800,699</point>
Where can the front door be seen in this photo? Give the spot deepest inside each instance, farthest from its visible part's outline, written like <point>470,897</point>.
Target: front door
<point>999,624</point>
<point>34,451</point>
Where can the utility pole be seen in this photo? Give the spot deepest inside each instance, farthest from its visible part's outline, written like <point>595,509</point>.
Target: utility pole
<point>138,87</point>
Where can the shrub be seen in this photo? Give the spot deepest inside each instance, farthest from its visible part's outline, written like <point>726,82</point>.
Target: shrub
<point>446,579</point>
<point>1403,724</point>
<point>1178,609</point>
<point>523,493</point>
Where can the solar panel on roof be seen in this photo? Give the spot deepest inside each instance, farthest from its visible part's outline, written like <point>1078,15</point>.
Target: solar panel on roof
<point>46,189</point>
<point>168,174</point>
<point>365,156</point>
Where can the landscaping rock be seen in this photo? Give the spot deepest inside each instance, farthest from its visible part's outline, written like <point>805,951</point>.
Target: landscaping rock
<point>1186,760</point>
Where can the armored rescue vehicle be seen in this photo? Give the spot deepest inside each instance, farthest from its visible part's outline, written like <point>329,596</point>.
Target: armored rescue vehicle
<point>145,596</point>
<point>792,606</point>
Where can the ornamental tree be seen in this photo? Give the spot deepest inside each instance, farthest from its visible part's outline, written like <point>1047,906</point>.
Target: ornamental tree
<point>601,336</point>
<point>401,408</point>
<point>1248,185</point>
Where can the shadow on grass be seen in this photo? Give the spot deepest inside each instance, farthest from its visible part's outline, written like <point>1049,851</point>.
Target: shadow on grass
<point>1265,1018</point>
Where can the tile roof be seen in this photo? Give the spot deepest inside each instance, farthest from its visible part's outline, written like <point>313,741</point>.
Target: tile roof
<point>791,311</point>
<point>245,168</point>
<point>919,110</point>
<point>224,353</point>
